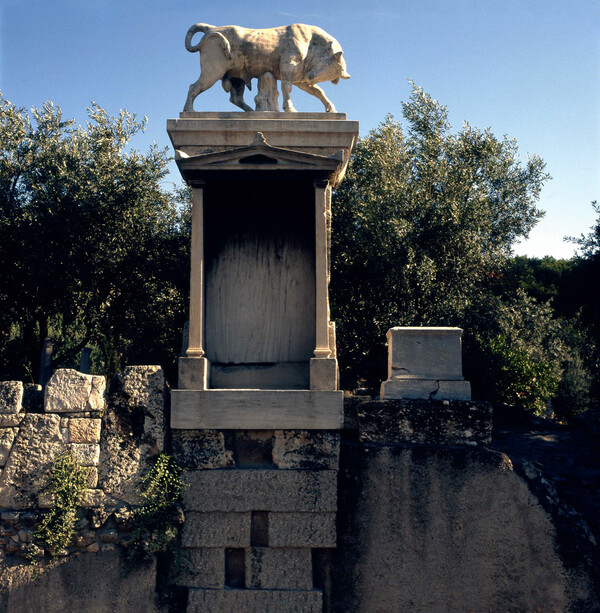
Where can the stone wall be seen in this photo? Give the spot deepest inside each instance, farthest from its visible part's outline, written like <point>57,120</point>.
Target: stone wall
<point>431,520</point>
<point>260,506</point>
<point>406,509</point>
<point>115,434</point>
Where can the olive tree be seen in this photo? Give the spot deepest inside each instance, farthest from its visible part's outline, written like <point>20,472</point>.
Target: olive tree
<point>92,248</point>
<point>422,224</point>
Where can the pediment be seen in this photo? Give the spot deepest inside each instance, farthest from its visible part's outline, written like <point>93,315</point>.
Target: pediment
<point>259,156</point>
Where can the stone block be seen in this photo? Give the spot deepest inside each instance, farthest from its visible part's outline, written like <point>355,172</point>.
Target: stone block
<point>306,449</point>
<point>431,422</point>
<point>192,373</point>
<point>70,391</point>
<point>278,569</point>
<point>261,490</point>
<point>201,449</point>
<point>425,353</point>
<point>256,409</point>
<point>87,454</point>
<point>414,389</point>
<point>201,568</point>
<point>37,444</point>
<point>11,396</point>
<point>216,530</point>
<point>302,530</point>
<point>255,601</point>
<point>7,437</point>
<point>91,498</point>
<point>323,374</point>
<point>11,420</point>
<point>84,430</point>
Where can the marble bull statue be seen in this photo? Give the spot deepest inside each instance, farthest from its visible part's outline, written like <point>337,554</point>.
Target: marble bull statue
<point>297,55</point>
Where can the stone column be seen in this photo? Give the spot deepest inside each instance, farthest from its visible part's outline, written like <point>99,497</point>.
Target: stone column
<point>193,368</point>
<point>323,368</point>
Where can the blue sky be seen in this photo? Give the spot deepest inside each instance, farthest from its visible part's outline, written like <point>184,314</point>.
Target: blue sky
<point>525,68</point>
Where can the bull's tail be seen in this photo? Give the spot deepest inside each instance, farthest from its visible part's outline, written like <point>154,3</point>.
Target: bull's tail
<point>197,27</point>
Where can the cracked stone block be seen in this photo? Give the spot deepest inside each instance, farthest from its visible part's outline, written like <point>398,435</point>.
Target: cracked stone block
<point>69,391</point>
<point>11,396</point>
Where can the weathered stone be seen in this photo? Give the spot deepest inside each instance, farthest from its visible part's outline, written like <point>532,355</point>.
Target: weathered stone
<point>11,421</point>
<point>216,530</point>
<point>323,374</point>
<point>200,568</point>
<point>87,454</point>
<point>425,363</point>
<point>90,498</point>
<point>199,449</point>
<point>270,568</point>
<point>84,430</point>
<point>36,446</point>
<point>265,490</point>
<point>11,396</point>
<point>90,476</point>
<point>107,547</point>
<point>425,422</point>
<point>71,391</point>
<point>441,529</point>
<point>93,548</point>
<point>7,436</point>
<point>255,601</point>
<point>293,449</point>
<point>133,432</point>
<point>123,518</point>
<point>302,530</point>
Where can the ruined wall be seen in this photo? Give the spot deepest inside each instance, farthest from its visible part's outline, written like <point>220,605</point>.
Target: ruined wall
<point>428,518</point>
<point>114,434</point>
<point>437,524</point>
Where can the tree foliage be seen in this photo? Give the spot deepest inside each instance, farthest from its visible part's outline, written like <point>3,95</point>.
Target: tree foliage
<point>92,249</point>
<point>422,225</point>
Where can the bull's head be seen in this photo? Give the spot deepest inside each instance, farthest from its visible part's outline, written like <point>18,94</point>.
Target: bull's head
<point>332,70</point>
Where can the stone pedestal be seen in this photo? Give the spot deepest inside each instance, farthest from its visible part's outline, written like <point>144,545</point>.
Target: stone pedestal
<point>425,363</point>
<point>259,305</point>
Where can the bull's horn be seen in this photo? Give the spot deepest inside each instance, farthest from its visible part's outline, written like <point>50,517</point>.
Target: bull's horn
<point>345,76</point>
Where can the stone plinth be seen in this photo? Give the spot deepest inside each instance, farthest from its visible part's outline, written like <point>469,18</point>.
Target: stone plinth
<point>425,363</point>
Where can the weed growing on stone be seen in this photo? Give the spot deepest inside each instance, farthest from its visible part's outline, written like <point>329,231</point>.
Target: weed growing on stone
<point>65,484</point>
<point>157,520</point>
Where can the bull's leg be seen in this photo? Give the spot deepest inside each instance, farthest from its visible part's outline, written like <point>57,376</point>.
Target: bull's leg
<point>286,88</point>
<point>316,91</point>
<point>201,85</point>
<point>236,95</point>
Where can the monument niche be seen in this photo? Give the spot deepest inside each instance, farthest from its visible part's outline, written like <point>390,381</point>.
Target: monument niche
<point>261,348</point>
